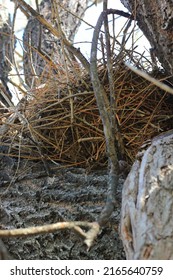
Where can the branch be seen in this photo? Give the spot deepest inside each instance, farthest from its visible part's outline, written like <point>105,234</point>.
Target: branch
<point>106,115</point>
<point>150,79</point>
<point>88,236</point>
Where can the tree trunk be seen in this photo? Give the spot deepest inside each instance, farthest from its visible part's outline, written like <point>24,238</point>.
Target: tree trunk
<point>147,203</point>
<point>6,49</point>
<point>155,19</point>
<point>43,49</point>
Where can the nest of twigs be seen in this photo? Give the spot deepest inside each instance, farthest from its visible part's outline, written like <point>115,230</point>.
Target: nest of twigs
<point>61,121</point>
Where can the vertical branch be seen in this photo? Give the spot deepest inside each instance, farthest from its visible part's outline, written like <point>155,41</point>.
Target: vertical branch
<point>110,72</point>
<point>57,14</point>
<point>106,116</point>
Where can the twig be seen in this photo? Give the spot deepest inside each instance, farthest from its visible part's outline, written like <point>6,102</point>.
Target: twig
<point>150,79</point>
<point>113,97</point>
<point>56,8</point>
<point>88,236</point>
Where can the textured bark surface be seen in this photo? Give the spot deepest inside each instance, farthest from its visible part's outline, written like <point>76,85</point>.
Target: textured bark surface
<point>5,42</point>
<point>71,194</point>
<point>6,49</point>
<point>147,203</point>
<point>155,19</point>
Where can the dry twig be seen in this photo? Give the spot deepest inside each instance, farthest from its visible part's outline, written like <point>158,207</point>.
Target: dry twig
<point>88,236</point>
<point>107,116</point>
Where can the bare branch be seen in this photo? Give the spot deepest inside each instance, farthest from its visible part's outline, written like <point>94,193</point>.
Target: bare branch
<point>106,114</point>
<point>88,236</point>
<point>150,79</point>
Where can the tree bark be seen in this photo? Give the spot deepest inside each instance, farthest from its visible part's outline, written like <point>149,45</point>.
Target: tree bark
<point>155,19</point>
<point>147,203</point>
<point>6,49</point>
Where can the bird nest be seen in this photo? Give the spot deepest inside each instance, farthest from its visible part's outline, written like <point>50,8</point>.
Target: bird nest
<point>61,121</point>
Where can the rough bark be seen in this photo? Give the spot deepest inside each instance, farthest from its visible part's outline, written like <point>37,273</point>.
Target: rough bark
<point>147,203</point>
<point>155,19</point>
<point>6,48</point>
<point>71,194</point>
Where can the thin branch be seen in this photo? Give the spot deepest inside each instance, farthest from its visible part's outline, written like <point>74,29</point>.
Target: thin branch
<point>105,113</point>
<point>106,116</point>
<point>150,79</point>
<point>88,236</point>
<point>114,124</point>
